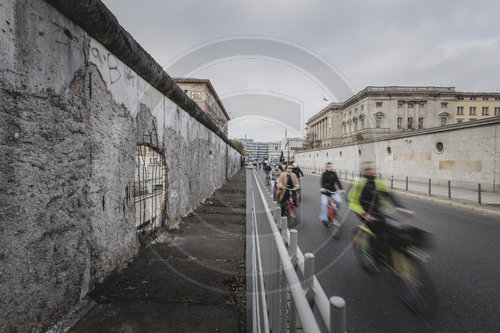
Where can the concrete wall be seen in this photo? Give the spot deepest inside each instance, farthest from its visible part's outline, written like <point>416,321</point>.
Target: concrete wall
<point>71,117</point>
<point>471,155</point>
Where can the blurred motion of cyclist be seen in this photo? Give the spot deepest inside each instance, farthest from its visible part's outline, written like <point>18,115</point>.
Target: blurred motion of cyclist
<point>368,198</point>
<point>328,180</point>
<point>275,174</point>
<point>286,179</point>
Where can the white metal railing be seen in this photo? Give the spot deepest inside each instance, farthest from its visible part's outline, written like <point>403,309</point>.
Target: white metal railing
<point>281,286</point>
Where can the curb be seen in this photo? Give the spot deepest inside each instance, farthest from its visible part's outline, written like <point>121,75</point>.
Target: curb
<point>443,202</point>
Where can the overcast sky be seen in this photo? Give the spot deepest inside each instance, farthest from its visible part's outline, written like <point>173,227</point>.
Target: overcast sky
<point>370,42</point>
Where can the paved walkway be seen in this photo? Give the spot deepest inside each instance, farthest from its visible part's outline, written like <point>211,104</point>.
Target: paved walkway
<point>191,281</point>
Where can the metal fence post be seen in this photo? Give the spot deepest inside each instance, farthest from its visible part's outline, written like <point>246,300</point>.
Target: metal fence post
<point>479,193</point>
<point>292,247</point>
<point>407,183</point>
<point>337,315</point>
<point>449,189</point>
<point>346,174</point>
<point>392,181</point>
<point>429,187</point>
<point>353,175</point>
<point>308,282</point>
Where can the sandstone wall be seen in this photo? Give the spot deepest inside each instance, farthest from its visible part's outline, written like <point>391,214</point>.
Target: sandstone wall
<point>470,155</point>
<point>71,116</point>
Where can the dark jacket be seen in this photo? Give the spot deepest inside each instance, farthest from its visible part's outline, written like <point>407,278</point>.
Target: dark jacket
<point>297,172</point>
<point>329,179</point>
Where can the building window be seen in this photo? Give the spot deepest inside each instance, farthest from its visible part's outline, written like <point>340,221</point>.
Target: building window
<point>497,98</point>
<point>355,126</point>
<point>460,110</point>
<point>439,147</point>
<point>400,122</point>
<point>362,107</point>
<point>444,105</point>
<point>362,123</point>
<point>421,122</point>
<point>378,104</point>
<point>421,105</point>
<point>410,105</point>
<point>497,111</point>
<point>410,123</point>
<point>473,98</point>
<point>485,111</point>
<point>485,98</point>
<point>472,111</point>
<point>460,98</point>
<point>400,105</point>
<point>443,121</point>
<point>378,122</point>
<point>196,94</point>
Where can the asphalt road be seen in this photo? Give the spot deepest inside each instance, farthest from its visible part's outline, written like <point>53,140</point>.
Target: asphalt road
<point>464,269</point>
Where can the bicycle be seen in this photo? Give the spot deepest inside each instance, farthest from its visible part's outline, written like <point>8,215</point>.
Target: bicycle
<point>333,222</point>
<point>401,261</point>
<point>289,208</point>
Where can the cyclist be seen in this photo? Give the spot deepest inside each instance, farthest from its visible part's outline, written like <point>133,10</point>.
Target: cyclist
<point>328,180</point>
<point>296,170</point>
<point>267,170</point>
<point>275,174</point>
<point>286,179</point>
<point>368,198</point>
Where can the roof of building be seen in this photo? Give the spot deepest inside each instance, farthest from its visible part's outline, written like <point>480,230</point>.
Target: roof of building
<point>210,87</point>
<point>397,91</point>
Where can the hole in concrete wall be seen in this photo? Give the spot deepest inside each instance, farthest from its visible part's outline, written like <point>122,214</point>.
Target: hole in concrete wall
<point>389,151</point>
<point>149,192</point>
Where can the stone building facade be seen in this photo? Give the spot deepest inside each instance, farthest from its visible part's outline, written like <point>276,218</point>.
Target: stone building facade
<point>464,154</point>
<point>380,111</point>
<point>473,106</point>
<point>203,93</point>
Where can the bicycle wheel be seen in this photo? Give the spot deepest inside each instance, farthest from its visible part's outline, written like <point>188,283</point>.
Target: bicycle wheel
<point>414,287</point>
<point>336,229</point>
<point>363,250</point>
<point>291,217</point>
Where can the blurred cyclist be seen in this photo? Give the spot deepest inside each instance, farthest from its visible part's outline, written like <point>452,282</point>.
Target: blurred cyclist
<point>275,174</point>
<point>286,179</point>
<point>368,198</point>
<point>328,180</point>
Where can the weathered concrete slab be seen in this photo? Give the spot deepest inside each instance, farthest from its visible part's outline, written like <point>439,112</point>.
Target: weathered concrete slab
<point>159,317</point>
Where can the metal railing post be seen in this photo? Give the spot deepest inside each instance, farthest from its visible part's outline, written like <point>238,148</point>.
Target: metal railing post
<point>308,282</point>
<point>392,181</point>
<point>429,187</point>
<point>284,228</point>
<point>292,247</point>
<point>479,193</point>
<point>337,315</point>
<point>346,174</point>
<point>353,175</point>
<point>449,189</point>
<point>407,183</point>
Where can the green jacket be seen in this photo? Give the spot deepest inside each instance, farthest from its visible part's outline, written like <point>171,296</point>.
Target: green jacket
<point>354,195</point>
